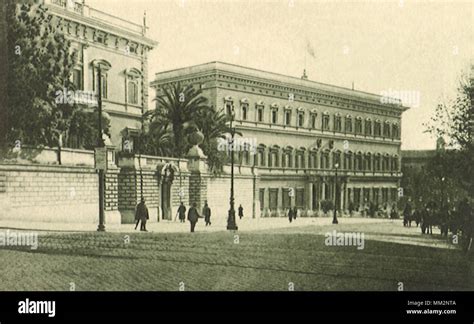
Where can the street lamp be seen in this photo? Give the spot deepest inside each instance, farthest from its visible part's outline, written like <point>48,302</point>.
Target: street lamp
<point>100,145</point>
<point>231,224</point>
<point>334,219</point>
<point>442,192</point>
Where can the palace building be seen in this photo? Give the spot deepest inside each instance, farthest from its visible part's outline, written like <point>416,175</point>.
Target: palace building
<point>305,133</point>
<point>121,48</point>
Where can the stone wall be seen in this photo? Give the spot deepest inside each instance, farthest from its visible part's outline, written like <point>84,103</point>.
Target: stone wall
<point>218,195</point>
<point>40,193</point>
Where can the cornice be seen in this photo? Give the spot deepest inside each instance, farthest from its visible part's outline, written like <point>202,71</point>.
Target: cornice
<point>104,27</point>
<point>266,88</point>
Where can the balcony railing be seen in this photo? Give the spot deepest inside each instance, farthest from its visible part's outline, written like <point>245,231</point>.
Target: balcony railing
<point>86,11</point>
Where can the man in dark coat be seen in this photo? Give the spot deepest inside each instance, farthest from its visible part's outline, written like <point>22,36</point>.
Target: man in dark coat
<point>393,212</point>
<point>290,214</point>
<point>241,212</point>
<point>141,215</point>
<point>182,212</point>
<point>193,216</point>
<point>407,214</point>
<point>206,211</point>
<point>295,212</point>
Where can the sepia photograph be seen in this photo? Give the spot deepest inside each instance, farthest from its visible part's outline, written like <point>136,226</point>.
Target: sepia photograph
<point>265,146</point>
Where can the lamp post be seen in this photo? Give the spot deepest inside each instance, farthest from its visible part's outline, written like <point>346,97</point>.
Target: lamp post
<point>442,192</point>
<point>231,224</point>
<point>334,219</point>
<point>100,144</point>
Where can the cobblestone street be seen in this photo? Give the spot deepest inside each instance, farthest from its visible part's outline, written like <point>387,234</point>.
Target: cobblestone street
<point>274,258</point>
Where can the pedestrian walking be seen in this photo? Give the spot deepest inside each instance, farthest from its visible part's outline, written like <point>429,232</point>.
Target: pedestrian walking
<point>182,212</point>
<point>193,216</point>
<point>290,214</point>
<point>206,211</point>
<point>241,212</point>
<point>295,212</point>
<point>393,212</point>
<point>141,215</point>
<point>407,215</point>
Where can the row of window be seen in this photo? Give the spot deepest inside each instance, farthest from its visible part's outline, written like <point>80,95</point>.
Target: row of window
<point>359,196</point>
<point>346,124</point>
<point>132,81</point>
<point>343,161</point>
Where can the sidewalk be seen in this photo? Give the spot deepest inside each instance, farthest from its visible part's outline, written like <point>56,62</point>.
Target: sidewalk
<point>218,224</point>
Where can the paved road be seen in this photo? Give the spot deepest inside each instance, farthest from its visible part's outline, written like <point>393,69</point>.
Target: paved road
<point>261,259</point>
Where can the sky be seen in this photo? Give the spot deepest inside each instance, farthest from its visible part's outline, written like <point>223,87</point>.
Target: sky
<point>416,48</point>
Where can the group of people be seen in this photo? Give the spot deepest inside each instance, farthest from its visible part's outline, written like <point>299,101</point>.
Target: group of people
<point>193,214</point>
<point>292,213</point>
<point>141,214</point>
<point>448,217</point>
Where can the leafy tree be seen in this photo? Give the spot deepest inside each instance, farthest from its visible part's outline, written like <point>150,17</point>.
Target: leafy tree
<point>454,121</point>
<point>40,63</point>
<point>83,129</point>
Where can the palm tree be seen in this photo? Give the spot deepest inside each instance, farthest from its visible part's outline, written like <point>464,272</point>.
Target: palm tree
<point>214,125</point>
<point>178,108</point>
<point>157,140</point>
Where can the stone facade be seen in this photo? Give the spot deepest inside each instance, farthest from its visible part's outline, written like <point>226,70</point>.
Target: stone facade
<point>121,48</point>
<point>302,130</point>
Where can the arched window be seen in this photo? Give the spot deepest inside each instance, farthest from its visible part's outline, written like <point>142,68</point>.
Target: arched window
<point>105,66</point>
<point>395,131</point>
<point>132,92</point>
<point>325,121</point>
<point>261,155</point>
<point>385,163</point>
<point>358,125</point>
<point>377,128</point>
<point>368,127</point>
<point>368,162</point>
<point>386,129</point>
<point>348,160</point>
<point>377,165</point>
<point>244,107</point>
<point>358,162</point>
<point>312,160</point>
<point>273,160</point>
<point>337,123</point>
<point>348,124</point>
<point>300,119</point>
<point>133,78</point>
<point>336,159</point>
<point>287,157</point>
<point>324,163</point>
<point>259,106</point>
<point>395,163</point>
<point>300,158</point>
<point>313,119</point>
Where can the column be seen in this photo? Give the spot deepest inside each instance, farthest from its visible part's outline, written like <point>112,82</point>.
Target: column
<point>309,195</point>
<point>306,159</point>
<point>266,198</point>
<point>323,189</point>
<point>85,69</point>
<point>280,198</point>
